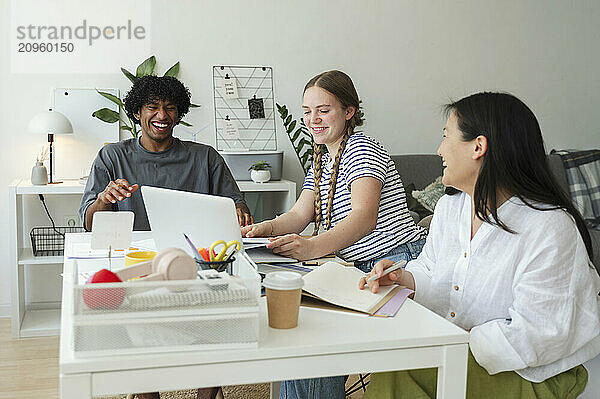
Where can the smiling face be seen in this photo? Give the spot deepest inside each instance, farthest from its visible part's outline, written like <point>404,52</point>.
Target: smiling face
<point>157,120</point>
<point>461,159</point>
<point>325,117</point>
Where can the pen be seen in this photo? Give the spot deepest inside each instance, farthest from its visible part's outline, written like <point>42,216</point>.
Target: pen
<point>390,269</point>
<point>198,256</point>
<point>320,262</point>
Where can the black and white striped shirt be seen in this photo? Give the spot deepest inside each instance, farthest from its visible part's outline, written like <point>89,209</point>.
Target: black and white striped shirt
<point>365,157</point>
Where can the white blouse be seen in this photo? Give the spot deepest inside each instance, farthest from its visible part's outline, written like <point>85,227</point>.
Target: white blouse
<point>530,299</point>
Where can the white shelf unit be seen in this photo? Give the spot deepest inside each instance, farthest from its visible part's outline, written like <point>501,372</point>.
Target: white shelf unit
<point>30,322</point>
<point>42,322</point>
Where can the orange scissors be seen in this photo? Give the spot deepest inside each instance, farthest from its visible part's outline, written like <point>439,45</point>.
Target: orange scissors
<point>223,253</point>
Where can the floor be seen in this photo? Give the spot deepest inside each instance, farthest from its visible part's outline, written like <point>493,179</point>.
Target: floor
<point>29,370</point>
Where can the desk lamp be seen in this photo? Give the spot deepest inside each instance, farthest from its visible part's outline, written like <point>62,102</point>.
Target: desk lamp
<point>50,122</point>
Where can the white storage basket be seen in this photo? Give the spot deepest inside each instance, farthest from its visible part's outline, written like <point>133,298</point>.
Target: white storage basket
<point>160,316</point>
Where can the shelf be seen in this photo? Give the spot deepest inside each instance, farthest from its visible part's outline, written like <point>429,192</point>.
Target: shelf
<point>26,258</point>
<point>66,187</point>
<point>276,185</point>
<point>40,323</point>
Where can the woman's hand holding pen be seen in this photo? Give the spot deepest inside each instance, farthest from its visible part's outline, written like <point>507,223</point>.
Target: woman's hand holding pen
<point>117,190</point>
<point>399,276</point>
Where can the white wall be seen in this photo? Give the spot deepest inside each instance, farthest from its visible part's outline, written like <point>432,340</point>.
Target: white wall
<point>406,58</point>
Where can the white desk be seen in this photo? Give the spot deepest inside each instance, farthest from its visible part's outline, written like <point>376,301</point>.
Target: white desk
<point>325,343</point>
<point>28,322</point>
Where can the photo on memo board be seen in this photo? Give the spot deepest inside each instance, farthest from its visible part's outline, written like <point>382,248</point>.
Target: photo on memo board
<point>74,153</point>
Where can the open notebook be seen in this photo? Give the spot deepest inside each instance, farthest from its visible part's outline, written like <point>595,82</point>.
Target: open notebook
<point>338,285</point>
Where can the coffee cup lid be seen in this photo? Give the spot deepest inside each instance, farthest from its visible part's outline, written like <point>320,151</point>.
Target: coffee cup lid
<point>283,281</point>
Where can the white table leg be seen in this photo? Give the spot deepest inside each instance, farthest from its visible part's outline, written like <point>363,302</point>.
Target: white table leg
<point>76,386</point>
<point>452,375</point>
<point>275,388</point>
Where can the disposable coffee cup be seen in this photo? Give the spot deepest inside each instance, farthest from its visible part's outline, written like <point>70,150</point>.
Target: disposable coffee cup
<point>283,291</point>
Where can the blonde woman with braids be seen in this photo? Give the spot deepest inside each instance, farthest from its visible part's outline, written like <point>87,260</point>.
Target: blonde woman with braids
<point>359,198</point>
<point>353,190</point>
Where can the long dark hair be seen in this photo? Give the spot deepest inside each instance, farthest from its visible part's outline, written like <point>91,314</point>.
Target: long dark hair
<point>515,160</point>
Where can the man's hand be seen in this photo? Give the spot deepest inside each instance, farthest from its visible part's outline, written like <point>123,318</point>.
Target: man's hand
<point>117,190</point>
<point>294,246</point>
<point>243,214</point>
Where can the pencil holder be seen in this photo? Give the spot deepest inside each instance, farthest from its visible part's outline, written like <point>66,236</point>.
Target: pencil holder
<point>225,265</point>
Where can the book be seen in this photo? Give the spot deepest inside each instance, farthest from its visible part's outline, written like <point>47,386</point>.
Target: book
<point>254,242</point>
<point>265,255</point>
<point>338,285</point>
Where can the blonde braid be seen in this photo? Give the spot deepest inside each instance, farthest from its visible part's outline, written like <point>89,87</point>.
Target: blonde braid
<point>333,180</point>
<point>318,171</point>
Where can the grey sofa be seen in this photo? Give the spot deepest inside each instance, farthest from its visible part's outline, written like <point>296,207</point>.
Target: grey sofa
<point>422,169</point>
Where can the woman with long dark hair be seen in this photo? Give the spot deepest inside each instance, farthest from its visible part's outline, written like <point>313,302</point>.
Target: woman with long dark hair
<point>507,258</point>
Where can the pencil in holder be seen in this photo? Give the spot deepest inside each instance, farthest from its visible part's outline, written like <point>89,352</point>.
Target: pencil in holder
<point>226,265</point>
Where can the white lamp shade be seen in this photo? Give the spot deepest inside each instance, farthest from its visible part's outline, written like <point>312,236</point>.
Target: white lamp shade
<point>50,122</point>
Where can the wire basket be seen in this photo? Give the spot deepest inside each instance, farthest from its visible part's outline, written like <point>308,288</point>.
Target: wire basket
<point>50,241</point>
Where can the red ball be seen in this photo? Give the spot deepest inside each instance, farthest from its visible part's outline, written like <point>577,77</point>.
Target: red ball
<point>103,298</point>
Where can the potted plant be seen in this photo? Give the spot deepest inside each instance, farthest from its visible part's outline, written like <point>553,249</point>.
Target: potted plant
<point>260,172</point>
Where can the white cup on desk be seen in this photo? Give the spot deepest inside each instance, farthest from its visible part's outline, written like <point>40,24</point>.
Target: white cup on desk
<point>283,291</point>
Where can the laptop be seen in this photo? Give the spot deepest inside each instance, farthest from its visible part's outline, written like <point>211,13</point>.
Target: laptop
<point>203,218</point>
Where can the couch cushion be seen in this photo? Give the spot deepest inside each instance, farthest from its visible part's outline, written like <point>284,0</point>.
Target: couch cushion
<point>558,170</point>
<point>420,169</point>
<point>431,194</point>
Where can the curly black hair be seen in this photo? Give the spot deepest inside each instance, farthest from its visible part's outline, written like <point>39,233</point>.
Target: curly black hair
<point>151,88</point>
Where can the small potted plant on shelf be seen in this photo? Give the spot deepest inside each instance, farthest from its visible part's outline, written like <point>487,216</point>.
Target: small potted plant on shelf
<point>260,172</point>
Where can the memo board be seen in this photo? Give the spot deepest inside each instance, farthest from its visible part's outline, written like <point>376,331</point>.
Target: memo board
<point>250,134</point>
<point>74,153</point>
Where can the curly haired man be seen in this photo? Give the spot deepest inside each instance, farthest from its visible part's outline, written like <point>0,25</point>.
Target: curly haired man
<point>156,158</point>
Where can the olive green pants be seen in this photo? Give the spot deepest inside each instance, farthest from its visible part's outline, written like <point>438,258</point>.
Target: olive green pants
<point>422,384</point>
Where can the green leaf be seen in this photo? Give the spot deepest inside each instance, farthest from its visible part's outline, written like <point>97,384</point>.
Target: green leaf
<point>301,144</point>
<point>192,105</point>
<point>284,113</point>
<point>185,124</point>
<point>111,97</point>
<point>125,127</point>
<point>146,67</point>
<point>308,142</point>
<point>287,120</point>
<point>291,127</point>
<point>279,107</point>
<point>305,157</point>
<point>106,115</point>
<point>296,135</point>
<point>129,75</point>
<point>173,71</point>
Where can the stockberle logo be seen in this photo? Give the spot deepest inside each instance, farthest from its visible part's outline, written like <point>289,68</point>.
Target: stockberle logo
<point>69,36</point>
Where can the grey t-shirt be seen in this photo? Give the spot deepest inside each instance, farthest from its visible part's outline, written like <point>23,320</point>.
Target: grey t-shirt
<point>185,165</point>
